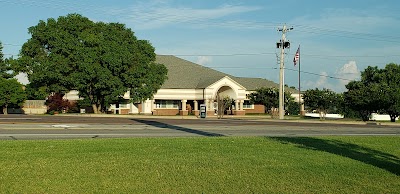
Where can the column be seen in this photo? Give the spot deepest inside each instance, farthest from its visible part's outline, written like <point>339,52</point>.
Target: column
<point>183,112</point>
<point>196,108</point>
<point>302,111</point>
<point>210,109</point>
<point>196,105</point>
<point>239,107</point>
<point>183,104</point>
<point>147,106</point>
<point>236,111</point>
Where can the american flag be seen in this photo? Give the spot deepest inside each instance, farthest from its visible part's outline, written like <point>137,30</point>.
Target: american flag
<point>296,56</point>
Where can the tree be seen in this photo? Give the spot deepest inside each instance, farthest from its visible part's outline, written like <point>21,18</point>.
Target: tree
<point>100,60</point>
<point>224,102</point>
<point>11,94</point>
<point>269,97</point>
<point>56,102</point>
<point>36,92</point>
<point>391,86</point>
<point>293,108</point>
<point>362,98</point>
<point>6,70</point>
<point>377,91</point>
<point>323,101</point>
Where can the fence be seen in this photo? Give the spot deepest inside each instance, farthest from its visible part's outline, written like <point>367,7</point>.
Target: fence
<point>34,107</point>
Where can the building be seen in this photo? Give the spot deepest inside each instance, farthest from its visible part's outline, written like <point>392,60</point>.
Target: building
<point>189,85</point>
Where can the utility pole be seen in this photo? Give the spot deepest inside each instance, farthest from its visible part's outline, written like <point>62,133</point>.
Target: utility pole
<point>282,45</point>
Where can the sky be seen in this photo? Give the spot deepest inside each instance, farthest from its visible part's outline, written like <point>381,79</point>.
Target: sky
<point>337,39</point>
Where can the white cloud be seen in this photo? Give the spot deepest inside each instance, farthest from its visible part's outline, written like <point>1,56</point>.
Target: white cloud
<point>347,72</point>
<point>322,82</point>
<point>343,75</point>
<point>203,60</point>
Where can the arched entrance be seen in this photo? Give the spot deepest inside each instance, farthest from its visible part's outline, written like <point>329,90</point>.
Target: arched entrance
<point>224,103</point>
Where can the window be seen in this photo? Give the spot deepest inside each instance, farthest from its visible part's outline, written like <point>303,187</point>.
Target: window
<point>167,104</point>
<point>123,105</point>
<point>248,105</point>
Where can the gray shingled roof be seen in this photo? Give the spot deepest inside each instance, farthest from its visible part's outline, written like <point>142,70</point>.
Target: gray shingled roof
<point>183,74</point>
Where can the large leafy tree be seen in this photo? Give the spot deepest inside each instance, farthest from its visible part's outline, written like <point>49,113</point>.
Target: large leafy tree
<point>269,97</point>
<point>100,60</point>
<point>11,91</point>
<point>362,98</point>
<point>323,101</point>
<point>6,69</point>
<point>36,92</point>
<point>377,91</point>
<point>391,86</point>
<point>11,94</point>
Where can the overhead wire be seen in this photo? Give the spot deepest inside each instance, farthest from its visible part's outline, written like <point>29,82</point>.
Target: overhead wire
<point>193,19</point>
<point>245,24</point>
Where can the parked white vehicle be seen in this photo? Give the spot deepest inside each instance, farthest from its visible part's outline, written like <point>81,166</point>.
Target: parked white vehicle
<point>378,117</point>
<point>327,116</point>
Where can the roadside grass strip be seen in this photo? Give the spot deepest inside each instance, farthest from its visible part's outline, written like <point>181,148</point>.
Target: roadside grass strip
<point>202,165</point>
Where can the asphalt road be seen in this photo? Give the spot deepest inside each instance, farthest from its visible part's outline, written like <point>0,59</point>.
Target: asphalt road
<point>18,127</point>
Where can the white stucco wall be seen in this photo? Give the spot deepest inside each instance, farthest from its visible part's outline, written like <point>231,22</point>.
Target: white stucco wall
<point>72,95</point>
<point>238,92</point>
<point>179,94</point>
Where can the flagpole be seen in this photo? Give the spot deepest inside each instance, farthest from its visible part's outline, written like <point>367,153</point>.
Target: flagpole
<point>299,83</point>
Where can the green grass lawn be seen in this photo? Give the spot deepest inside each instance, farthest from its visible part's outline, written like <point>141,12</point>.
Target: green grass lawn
<point>202,165</point>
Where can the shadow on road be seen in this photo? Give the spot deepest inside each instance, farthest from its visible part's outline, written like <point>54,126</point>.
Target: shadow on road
<point>373,157</point>
<point>183,129</point>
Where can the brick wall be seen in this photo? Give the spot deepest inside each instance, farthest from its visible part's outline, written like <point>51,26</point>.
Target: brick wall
<point>124,111</point>
<point>165,112</point>
<point>140,108</point>
<point>258,108</point>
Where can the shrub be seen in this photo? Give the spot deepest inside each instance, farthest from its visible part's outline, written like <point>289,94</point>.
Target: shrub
<point>56,102</point>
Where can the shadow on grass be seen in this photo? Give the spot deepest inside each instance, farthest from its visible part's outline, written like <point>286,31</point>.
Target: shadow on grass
<point>183,129</point>
<point>373,157</point>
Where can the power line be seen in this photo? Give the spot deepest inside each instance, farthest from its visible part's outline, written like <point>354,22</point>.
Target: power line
<point>273,53</point>
<point>8,44</point>
<point>259,54</point>
<point>275,68</point>
<point>221,55</point>
<point>356,34</point>
<point>321,75</point>
<point>193,19</point>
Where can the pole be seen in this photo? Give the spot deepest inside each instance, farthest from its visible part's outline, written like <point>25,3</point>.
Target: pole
<point>283,44</point>
<point>281,76</point>
<point>299,83</point>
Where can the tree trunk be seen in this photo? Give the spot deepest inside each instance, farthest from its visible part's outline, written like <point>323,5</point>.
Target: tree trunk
<point>5,110</point>
<point>393,118</point>
<point>365,115</point>
<point>322,114</point>
<point>274,113</point>
<point>95,109</point>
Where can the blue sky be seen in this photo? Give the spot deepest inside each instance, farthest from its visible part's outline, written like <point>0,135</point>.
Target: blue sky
<point>338,38</point>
